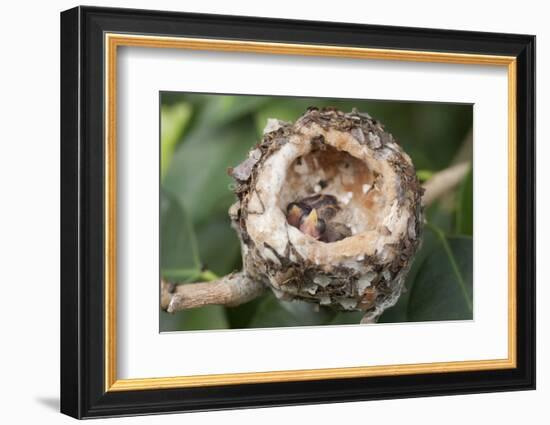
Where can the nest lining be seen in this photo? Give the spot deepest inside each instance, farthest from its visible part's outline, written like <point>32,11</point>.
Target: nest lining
<point>364,186</point>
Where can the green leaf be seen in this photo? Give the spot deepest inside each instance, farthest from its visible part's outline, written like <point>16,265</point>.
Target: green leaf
<point>465,207</point>
<point>240,316</point>
<point>219,245</point>
<point>221,110</point>
<point>198,173</point>
<point>347,318</point>
<point>399,312</point>
<point>277,313</point>
<point>442,215</point>
<point>178,246</point>
<point>424,175</point>
<point>181,275</point>
<point>189,275</point>
<point>443,289</point>
<point>205,318</point>
<point>174,119</point>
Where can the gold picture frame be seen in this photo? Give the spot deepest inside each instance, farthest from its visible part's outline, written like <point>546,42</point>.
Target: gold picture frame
<point>114,41</point>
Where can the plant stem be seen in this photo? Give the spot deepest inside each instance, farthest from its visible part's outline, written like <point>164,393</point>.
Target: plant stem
<point>230,290</point>
<point>443,181</point>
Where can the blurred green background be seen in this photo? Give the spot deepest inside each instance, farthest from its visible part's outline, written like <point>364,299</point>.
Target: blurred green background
<point>202,135</point>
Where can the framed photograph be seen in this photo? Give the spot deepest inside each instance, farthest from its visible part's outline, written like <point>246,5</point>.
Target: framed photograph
<point>261,212</point>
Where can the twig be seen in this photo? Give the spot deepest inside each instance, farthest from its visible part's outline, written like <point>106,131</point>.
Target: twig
<point>230,290</point>
<point>443,181</point>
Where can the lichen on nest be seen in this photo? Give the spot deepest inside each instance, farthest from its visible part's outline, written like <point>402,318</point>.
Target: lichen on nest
<point>374,203</point>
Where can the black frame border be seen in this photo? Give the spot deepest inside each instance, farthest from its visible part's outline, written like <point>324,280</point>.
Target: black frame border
<point>82,205</point>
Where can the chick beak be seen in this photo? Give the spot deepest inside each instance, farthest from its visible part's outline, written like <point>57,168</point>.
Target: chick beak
<point>312,225</point>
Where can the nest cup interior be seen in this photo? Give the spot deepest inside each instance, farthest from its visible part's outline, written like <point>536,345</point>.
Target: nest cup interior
<point>328,171</point>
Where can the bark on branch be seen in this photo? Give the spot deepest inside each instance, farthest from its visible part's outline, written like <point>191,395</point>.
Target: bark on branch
<point>230,290</point>
<point>440,183</point>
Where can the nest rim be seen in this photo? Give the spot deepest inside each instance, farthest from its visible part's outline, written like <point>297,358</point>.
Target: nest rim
<point>266,200</point>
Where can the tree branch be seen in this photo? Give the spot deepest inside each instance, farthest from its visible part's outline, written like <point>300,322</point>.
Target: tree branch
<point>230,290</point>
<point>443,181</point>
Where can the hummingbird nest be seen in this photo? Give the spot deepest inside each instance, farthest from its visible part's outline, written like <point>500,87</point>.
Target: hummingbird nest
<point>329,211</point>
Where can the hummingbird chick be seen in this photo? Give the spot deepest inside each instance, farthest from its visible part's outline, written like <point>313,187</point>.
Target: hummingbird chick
<point>313,215</point>
<point>305,218</point>
<point>326,205</point>
<point>294,213</point>
<point>335,232</point>
<point>312,225</point>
